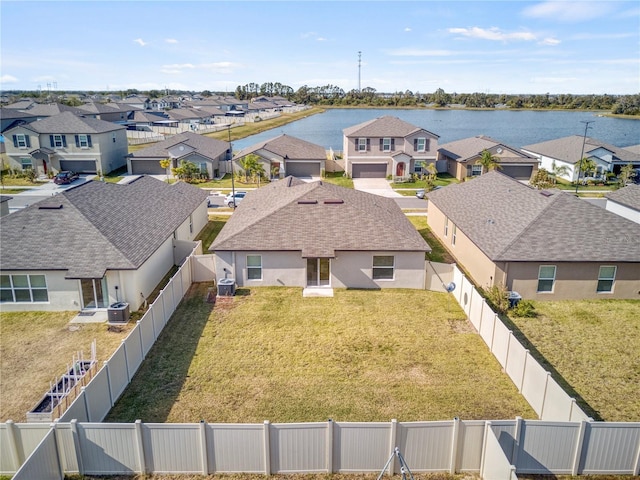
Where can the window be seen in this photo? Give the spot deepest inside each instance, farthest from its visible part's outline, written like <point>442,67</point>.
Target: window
<point>476,170</point>
<point>23,288</point>
<point>254,267</point>
<point>26,162</point>
<point>362,144</point>
<point>58,141</point>
<point>203,168</point>
<point>606,277</point>
<point>383,267</point>
<point>420,145</point>
<point>418,166</point>
<point>83,141</point>
<point>446,227</point>
<point>546,278</point>
<point>454,231</point>
<point>386,144</point>
<point>21,141</point>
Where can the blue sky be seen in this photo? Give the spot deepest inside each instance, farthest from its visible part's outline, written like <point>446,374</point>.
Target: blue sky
<point>474,46</point>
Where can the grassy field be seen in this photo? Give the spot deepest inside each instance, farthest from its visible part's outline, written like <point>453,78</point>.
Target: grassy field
<point>35,347</point>
<point>360,356</point>
<point>594,345</point>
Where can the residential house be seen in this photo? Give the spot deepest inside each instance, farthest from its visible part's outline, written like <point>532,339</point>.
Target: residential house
<point>97,243</point>
<point>44,110</point>
<point>11,117</point>
<point>387,146</point>
<point>140,120</point>
<point>568,151</point>
<point>461,156</point>
<point>109,112</point>
<point>189,116</point>
<point>316,234</point>
<point>625,202</point>
<point>67,142</point>
<point>286,155</point>
<point>209,154</point>
<point>137,101</point>
<point>546,245</point>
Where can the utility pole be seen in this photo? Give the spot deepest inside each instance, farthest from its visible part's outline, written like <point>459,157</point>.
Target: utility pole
<point>584,140</point>
<point>359,69</point>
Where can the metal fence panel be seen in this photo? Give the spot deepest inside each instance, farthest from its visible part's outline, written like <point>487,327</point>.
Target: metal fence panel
<point>426,446</point>
<point>534,384</point>
<point>298,447</point>
<point>134,350</point>
<point>118,378</point>
<point>470,445</point>
<point>43,463</point>
<point>172,448</point>
<point>501,340</point>
<point>236,448</point>
<point>610,448</point>
<point>98,396</point>
<point>108,448</point>
<point>547,447</point>
<point>361,447</point>
<point>146,332</point>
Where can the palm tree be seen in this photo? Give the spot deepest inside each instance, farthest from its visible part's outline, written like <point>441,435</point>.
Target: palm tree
<point>559,171</point>
<point>585,166</point>
<point>488,161</point>
<point>250,164</point>
<point>166,164</point>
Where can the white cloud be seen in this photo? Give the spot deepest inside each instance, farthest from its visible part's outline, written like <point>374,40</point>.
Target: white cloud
<point>416,52</point>
<point>407,29</point>
<point>492,33</point>
<point>321,39</point>
<point>8,79</point>
<point>549,41</point>
<point>568,12</point>
<point>554,80</point>
<point>217,67</point>
<point>140,42</point>
<point>171,40</point>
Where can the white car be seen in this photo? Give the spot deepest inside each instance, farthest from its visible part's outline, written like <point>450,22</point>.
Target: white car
<point>231,201</point>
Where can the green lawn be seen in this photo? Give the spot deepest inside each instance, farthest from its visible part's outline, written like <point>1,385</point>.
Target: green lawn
<point>594,345</point>
<point>363,355</point>
<point>338,178</point>
<point>438,252</point>
<point>211,230</point>
<point>442,180</point>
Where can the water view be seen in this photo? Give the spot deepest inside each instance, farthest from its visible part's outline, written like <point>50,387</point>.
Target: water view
<point>515,128</point>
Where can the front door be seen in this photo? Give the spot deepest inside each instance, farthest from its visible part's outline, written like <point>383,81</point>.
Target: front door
<point>94,293</point>
<point>318,272</point>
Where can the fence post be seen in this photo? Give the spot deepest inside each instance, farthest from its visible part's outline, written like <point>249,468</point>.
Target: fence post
<point>579,443</point>
<point>506,358</point>
<point>142,466</point>
<point>487,427</point>
<point>105,365</point>
<point>140,339</point>
<point>516,441</point>
<point>267,449</point>
<point>13,445</point>
<point>203,447</point>
<point>544,395</point>
<point>636,468</point>
<point>76,444</point>
<point>329,446</point>
<point>150,311</point>
<point>87,411</point>
<point>524,370</point>
<point>126,360</point>
<point>496,319</point>
<point>392,446</point>
<point>454,446</point>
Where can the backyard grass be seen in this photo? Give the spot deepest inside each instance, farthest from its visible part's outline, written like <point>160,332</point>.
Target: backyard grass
<point>35,347</point>
<point>438,252</point>
<point>211,230</point>
<point>442,180</point>
<point>269,353</point>
<point>594,345</point>
<point>338,178</point>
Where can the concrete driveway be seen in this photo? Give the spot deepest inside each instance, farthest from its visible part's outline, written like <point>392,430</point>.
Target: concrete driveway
<point>377,186</point>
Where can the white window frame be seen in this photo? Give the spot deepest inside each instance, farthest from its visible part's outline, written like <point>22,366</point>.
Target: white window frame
<point>362,144</point>
<point>476,170</point>
<point>254,267</point>
<point>58,142</point>
<point>446,227</point>
<point>454,233</point>
<point>378,271</point>
<point>418,166</point>
<point>83,141</point>
<point>611,279</point>
<point>26,163</point>
<point>546,278</point>
<point>21,140</point>
<point>30,288</point>
<point>423,147</point>
<point>386,144</point>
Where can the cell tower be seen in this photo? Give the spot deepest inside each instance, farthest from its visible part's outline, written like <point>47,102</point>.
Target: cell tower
<point>359,69</point>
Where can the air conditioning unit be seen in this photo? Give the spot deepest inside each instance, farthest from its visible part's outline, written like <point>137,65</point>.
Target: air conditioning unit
<point>226,287</point>
<point>118,312</point>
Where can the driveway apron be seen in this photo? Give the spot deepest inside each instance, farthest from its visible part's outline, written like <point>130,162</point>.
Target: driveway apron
<point>376,186</point>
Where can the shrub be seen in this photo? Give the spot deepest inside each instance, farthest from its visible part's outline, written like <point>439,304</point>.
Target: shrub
<point>525,309</point>
<point>498,297</point>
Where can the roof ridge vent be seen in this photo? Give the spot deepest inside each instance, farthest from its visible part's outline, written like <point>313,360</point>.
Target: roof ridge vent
<point>307,202</point>
<point>333,201</point>
<point>50,206</point>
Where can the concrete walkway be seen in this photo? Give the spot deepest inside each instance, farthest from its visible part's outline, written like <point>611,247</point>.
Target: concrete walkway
<point>376,186</point>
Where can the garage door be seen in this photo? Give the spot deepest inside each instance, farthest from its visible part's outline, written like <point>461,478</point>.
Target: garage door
<point>80,166</point>
<point>369,170</point>
<point>519,172</point>
<point>147,167</point>
<point>303,169</point>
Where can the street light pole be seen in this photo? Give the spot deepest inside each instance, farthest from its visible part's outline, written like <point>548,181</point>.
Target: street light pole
<point>233,186</point>
<point>584,140</point>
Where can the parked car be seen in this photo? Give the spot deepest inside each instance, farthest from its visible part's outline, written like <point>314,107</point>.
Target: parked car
<point>231,201</point>
<point>65,177</point>
<point>420,193</point>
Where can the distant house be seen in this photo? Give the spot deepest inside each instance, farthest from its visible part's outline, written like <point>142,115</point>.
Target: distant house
<point>387,146</point>
<point>318,234</point>
<point>67,142</point>
<point>461,156</point>
<point>287,155</point>
<point>208,154</point>
<point>567,152</point>
<point>546,245</point>
<point>11,117</point>
<point>625,202</point>
<point>96,244</point>
<point>109,112</point>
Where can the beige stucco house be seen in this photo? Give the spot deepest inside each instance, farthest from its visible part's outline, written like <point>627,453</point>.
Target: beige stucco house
<point>96,244</point>
<point>319,235</point>
<point>67,142</point>
<point>387,146</point>
<point>546,245</point>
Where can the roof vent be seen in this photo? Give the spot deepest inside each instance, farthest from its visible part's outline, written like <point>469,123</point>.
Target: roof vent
<point>50,206</point>
<point>307,202</point>
<point>546,193</point>
<point>333,201</point>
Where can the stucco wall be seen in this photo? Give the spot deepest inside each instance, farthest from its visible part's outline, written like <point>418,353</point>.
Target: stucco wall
<point>626,212</point>
<point>63,294</point>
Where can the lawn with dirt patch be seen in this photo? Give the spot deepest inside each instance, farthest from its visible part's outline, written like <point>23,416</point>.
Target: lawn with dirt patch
<point>36,347</point>
<point>364,355</point>
<point>594,345</point>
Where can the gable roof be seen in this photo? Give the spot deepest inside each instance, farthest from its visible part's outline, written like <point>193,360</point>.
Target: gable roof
<point>568,149</point>
<point>468,148</point>
<point>67,122</point>
<point>386,126</point>
<point>291,215</point>
<point>96,226</point>
<point>628,196</point>
<point>206,146</point>
<point>288,147</point>
<point>510,221</point>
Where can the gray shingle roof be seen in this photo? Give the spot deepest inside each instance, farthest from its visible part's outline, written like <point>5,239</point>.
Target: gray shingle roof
<point>98,226</point>
<point>628,196</point>
<point>205,146</point>
<point>288,147</point>
<point>510,221</point>
<point>568,149</point>
<point>291,215</point>
<point>69,123</point>
<point>467,148</point>
<point>386,126</point>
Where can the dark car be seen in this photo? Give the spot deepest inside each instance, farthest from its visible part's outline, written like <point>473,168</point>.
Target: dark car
<point>65,177</point>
